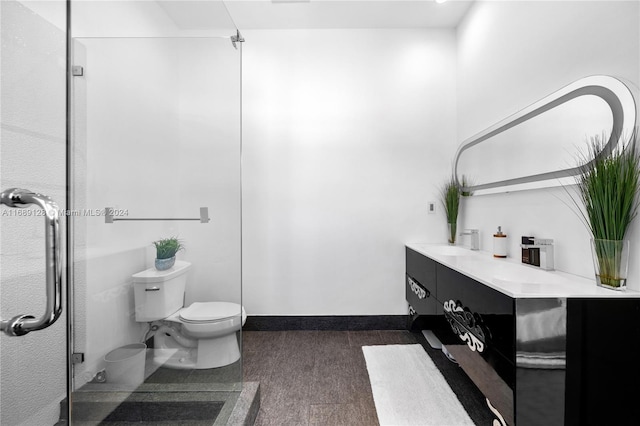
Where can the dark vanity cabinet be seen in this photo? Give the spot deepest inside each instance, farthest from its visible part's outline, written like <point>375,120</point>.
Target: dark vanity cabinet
<point>474,322</point>
<point>538,361</point>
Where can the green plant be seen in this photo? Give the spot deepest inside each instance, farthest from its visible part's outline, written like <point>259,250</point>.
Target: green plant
<point>167,247</point>
<point>450,193</point>
<point>607,185</point>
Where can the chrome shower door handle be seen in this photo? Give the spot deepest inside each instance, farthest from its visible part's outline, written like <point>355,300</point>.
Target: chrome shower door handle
<point>23,324</point>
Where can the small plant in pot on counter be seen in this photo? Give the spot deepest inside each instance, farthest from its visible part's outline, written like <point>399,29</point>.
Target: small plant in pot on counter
<point>607,186</point>
<point>166,249</point>
<point>451,202</point>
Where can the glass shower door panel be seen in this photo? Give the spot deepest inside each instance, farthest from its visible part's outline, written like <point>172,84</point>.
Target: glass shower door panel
<point>157,138</point>
<point>33,157</point>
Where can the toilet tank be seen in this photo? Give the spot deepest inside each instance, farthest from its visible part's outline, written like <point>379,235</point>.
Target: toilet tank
<point>159,294</point>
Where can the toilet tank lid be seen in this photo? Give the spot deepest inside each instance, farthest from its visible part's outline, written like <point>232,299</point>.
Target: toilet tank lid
<point>152,275</point>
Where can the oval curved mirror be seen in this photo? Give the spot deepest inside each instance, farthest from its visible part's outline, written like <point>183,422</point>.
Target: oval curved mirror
<point>539,146</point>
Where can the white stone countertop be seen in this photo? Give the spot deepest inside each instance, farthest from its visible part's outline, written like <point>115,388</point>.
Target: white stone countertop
<point>513,278</point>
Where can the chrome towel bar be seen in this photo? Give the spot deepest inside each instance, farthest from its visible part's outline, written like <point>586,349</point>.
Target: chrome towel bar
<point>109,216</point>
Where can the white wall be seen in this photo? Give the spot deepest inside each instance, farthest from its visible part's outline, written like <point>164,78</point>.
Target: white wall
<point>126,130</point>
<point>209,168</point>
<point>125,120</point>
<point>347,135</point>
<point>32,156</point>
<point>511,54</point>
<point>120,18</point>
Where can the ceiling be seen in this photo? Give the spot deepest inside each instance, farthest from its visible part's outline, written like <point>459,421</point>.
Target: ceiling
<point>317,14</point>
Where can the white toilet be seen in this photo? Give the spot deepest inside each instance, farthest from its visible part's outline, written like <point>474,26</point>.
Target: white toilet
<point>202,335</point>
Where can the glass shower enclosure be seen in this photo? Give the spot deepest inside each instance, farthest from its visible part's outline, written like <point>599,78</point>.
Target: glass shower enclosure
<point>128,115</point>
<point>156,154</point>
<point>32,159</point>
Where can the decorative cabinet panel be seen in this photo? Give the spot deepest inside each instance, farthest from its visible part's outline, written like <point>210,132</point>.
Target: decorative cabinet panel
<point>485,312</point>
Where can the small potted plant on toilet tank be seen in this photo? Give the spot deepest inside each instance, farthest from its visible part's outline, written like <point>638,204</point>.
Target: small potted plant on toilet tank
<point>166,249</point>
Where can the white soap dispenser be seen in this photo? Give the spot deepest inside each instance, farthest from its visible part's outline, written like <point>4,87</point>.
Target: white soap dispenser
<point>499,244</point>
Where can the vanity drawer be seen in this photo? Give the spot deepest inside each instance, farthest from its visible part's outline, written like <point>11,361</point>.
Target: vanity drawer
<point>422,269</point>
<point>419,297</point>
<point>486,313</point>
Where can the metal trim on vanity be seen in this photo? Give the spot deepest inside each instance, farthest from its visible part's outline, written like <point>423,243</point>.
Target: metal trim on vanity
<point>417,289</point>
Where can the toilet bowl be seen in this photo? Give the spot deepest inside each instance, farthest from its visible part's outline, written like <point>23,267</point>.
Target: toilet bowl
<point>201,335</point>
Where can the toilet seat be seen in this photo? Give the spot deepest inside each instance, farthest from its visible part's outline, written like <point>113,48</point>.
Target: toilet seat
<point>210,319</point>
<point>207,312</point>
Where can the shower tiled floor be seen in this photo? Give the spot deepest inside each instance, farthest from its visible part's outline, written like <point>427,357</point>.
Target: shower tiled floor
<point>223,378</point>
<point>167,397</point>
<point>320,377</point>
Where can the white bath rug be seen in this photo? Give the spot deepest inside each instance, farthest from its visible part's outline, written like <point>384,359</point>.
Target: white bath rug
<point>408,389</point>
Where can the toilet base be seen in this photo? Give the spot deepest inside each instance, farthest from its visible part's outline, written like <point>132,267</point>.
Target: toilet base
<point>217,352</point>
<point>210,353</point>
<point>174,358</point>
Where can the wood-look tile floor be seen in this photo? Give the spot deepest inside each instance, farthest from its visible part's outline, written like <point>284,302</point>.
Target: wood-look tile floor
<point>314,377</point>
